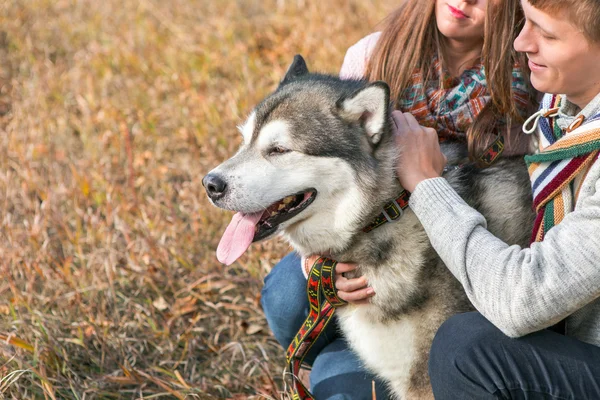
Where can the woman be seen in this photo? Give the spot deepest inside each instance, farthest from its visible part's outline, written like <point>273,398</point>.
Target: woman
<point>537,332</point>
<point>448,70</point>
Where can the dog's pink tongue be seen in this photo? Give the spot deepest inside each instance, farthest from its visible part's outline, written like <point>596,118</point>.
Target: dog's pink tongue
<point>237,237</point>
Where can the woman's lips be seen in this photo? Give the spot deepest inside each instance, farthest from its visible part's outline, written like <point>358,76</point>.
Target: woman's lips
<point>456,13</point>
<point>534,66</point>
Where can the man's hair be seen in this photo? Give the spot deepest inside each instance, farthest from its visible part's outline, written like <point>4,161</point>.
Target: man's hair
<point>410,39</point>
<point>582,13</point>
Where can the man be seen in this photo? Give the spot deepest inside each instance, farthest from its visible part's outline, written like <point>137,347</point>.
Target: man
<point>506,349</point>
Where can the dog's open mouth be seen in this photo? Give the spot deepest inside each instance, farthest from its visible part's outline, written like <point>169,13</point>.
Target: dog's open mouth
<point>247,228</point>
<point>281,211</point>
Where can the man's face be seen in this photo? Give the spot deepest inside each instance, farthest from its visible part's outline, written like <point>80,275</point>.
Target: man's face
<point>562,60</point>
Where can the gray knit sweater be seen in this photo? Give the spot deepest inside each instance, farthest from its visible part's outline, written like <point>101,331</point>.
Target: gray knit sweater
<point>522,290</point>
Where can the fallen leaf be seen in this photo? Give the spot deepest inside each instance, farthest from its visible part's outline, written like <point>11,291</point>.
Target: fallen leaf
<point>160,304</point>
<point>253,328</point>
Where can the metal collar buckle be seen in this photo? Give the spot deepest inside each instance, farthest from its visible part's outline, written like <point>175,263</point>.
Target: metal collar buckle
<point>398,209</point>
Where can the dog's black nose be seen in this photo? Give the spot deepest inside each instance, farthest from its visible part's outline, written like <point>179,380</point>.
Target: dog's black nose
<point>215,186</point>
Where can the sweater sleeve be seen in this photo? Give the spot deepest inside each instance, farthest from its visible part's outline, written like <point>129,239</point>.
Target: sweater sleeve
<point>357,57</point>
<point>520,290</point>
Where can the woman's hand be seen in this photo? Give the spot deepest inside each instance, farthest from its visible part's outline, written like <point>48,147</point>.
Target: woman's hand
<point>421,157</point>
<point>352,290</point>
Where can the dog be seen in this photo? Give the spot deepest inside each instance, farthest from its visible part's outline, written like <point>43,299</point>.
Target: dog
<point>316,166</point>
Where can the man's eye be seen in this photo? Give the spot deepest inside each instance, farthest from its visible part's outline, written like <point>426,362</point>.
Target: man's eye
<point>273,151</point>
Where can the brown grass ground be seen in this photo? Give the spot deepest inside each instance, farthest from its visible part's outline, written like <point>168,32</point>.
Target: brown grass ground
<point>111,112</point>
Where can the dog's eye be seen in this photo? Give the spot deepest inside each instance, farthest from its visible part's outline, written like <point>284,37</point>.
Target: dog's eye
<point>276,150</point>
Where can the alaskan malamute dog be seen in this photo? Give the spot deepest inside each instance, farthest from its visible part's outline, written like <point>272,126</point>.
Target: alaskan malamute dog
<point>317,165</point>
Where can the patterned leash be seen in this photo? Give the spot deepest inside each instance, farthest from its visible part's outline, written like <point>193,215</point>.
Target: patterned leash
<point>320,282</point>
<point>491,154</point>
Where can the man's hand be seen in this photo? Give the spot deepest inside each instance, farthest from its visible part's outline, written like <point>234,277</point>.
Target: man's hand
<point>421,157</point>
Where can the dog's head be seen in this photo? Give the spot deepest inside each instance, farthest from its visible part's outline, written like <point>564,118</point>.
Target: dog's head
<point>316,156</point>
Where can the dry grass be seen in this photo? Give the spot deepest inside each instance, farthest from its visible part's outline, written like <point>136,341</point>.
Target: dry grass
<point>111,112</point>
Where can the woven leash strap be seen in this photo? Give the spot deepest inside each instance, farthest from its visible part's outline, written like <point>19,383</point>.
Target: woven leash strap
<point>390,212</point>
<point>491,154</point>
<point>320,285</point>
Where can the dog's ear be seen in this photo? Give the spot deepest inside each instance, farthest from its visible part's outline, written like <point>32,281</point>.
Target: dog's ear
<point>296,69</point>
<point>368,106</point>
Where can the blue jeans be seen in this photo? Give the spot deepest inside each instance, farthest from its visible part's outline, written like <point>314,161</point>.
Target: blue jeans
<point>472,359</point>
<point>336,371</point>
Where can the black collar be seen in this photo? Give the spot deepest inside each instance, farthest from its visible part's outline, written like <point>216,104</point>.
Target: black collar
<point>390,212</point>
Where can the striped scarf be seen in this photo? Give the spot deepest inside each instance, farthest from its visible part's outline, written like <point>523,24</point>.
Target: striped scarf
<point>559,168</point>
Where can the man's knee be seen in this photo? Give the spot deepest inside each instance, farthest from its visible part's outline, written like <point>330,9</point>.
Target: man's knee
<point>461,361</point>
<point>460,340</point>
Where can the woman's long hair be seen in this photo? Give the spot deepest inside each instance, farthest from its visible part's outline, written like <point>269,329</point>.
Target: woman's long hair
<point>404,48</point>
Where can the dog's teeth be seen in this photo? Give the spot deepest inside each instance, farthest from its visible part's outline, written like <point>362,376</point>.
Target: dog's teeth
<point>288,199</point>
<point>281,207</point>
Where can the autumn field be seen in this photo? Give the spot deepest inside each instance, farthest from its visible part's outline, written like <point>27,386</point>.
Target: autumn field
<point>111,112</point>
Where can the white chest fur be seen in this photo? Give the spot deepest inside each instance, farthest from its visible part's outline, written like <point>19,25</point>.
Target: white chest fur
<point>386,348</point>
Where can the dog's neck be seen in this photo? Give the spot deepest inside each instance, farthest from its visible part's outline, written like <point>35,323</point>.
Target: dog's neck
<point>365,234</point>
<point>390,212</point>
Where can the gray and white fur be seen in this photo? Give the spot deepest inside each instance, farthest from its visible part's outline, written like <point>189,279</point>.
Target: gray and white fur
<point>335,136</point>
